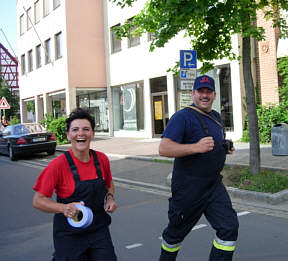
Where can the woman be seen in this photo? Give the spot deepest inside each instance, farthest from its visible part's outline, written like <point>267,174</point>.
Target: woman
<point>4,121</point>
<point>90,183</point>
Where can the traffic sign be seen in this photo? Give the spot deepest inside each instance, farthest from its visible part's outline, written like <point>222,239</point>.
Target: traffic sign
<point>186,84</point>
<point>4,104</point>
<point>188,59</point>
<point>188,74</point>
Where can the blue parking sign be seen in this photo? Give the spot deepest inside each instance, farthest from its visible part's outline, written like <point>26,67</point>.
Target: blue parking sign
<point>188,59</point>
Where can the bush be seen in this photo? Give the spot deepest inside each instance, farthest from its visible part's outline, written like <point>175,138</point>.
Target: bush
<point>268,116</point>
<point>57,126</point>
<point>14,120</point>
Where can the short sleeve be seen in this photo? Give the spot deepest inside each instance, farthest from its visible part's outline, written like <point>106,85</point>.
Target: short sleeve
<point>175,129</point>
<point>47,180</point>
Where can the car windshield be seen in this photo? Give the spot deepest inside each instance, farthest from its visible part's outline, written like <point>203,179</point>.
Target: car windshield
<point>29,128</point>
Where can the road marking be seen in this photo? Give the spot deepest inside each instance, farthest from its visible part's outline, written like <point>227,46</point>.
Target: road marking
<point>243,213</point>
<point>199,226</point>
<point>134,245</point>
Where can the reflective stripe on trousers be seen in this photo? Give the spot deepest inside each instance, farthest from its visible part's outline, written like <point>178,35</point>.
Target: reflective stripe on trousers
<point>224,245</point>
<point>170,247</point>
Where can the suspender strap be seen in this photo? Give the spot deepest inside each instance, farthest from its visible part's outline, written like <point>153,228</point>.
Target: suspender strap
<point>97,164</point>
<point>204,126</point>
<point>207,115</point>
<point>72,165</point>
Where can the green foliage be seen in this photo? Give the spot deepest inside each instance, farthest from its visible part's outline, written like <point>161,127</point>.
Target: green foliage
<point>14,120</point>
<point>48,118</point>
<point>268,116</point>
<point>266,181</point>
<point>31,106</point>
<point>57,126</point>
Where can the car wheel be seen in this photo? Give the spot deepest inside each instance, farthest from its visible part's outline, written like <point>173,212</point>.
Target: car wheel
<point>51,152</point>
<point>11,154</point>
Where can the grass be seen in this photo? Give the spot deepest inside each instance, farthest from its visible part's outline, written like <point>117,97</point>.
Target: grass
<point>267,180</point>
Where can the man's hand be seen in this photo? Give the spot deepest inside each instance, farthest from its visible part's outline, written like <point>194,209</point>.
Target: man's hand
<point>205,144</point>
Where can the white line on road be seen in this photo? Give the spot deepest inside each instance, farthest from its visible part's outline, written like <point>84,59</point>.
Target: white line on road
<point>243,213</point>
<point>134,245</point>
<point>199,226</point>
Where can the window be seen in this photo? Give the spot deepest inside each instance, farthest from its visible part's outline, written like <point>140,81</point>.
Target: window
<point>21,24</point>
<point>115,42</point>
<point>38,56</point>
<point>133,40</point>
<point>151,36</point>
<point>28,18</point>
<point>45,7</point>
<point>56,3</point>
<point>128,106</point>
<point>30,61</point>
<point>36,12</point>
<point>58,45</point>
<point>23,68</point>
<point>47,51</point>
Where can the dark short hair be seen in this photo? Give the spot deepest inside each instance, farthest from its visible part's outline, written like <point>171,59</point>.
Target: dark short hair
<point>80,113</point>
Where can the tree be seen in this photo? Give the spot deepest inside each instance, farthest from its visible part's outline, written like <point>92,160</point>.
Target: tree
<point>210,25</point>
<point>11,98</point>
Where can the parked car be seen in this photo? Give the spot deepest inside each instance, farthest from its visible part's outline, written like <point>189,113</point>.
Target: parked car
<point>26,138</point>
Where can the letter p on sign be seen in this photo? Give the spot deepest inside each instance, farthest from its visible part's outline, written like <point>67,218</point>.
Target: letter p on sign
<point>188,59</point>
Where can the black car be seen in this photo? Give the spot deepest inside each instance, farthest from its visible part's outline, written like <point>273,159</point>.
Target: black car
<point>26,138</point>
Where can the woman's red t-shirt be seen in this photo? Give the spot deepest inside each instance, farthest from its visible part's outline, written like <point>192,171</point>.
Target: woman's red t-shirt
<point>58,177</point>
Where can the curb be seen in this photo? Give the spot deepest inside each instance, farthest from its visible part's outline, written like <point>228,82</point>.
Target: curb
<point>261,197</point>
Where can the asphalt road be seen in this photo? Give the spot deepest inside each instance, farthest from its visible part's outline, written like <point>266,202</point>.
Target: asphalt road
<point>26,233</point>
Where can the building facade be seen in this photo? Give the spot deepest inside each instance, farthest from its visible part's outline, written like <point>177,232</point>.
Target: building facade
<point>70,57</point>
<point>62,58</point>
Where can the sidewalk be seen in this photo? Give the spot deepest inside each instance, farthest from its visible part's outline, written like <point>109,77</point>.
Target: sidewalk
<point>147,149</point>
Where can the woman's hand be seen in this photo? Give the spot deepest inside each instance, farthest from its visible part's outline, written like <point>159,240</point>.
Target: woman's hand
<point>69,210</point>
<point>110,204</point>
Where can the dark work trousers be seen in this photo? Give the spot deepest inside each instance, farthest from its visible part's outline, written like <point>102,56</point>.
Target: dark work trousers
<point>197,189</point>
<point>92,243</point>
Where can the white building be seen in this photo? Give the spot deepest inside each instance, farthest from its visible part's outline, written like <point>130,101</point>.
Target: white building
<point>144,95</point>
<point>71,58</point>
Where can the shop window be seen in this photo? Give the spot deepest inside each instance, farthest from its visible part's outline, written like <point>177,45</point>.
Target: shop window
<point>128,107</point>
<point>222,104</point>
<point>226,96</point>
<point>97,104</point>
<point>115,42</point>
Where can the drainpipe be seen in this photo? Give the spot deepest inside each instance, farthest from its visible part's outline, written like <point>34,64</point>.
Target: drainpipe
<point>107,66</point>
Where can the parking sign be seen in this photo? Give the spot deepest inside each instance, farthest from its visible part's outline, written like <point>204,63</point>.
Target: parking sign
<point>188,59</point>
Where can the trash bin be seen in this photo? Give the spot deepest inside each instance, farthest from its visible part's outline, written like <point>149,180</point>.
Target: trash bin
<point>279,138</point>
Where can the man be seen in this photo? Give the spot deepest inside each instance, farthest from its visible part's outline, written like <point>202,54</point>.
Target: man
<point>195,138</point>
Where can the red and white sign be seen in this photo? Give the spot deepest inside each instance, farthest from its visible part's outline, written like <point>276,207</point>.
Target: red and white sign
<point>4,104</point>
